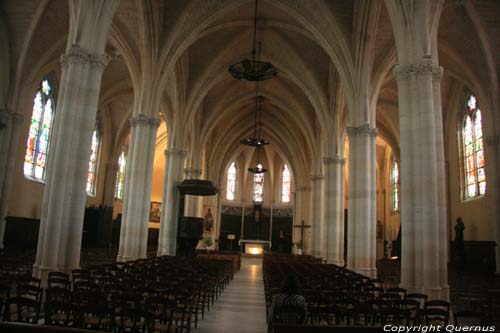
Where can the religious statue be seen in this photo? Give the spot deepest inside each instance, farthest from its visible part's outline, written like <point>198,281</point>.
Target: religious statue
<point>208,221</point>
<point>459,242</point>
<point>459,232</point>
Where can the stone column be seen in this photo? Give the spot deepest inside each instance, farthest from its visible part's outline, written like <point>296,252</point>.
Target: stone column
<point>63,208</point>
<point>298,213</point>
<point>317,217</point>
<point>362,223</point>
<point>334,210</point>
<point>137,190</point>
<point>110,183</point>
<point>492,178</point>
<point>10,135</point>
<point>167,243</point>
<point>191,202</point>
<point>423,203</point>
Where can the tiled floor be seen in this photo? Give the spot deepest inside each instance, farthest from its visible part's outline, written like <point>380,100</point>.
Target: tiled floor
<point>241,307</point>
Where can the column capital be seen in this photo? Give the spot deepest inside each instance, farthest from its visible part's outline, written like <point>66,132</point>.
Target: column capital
<point>175,152</point>
<point>405,72</point>
<point>192,172</point>
<point>492,140</point>
<point>363,130</point>
<point>78,55</point>
<point>302,188</point>
<point>112,167</point>
<point>334,160</point>
<point>142,119</point>
<point>317,177</point>
<point>5,116</point>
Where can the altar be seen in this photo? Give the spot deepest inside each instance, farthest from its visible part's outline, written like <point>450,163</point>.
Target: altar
<point>254,246</point>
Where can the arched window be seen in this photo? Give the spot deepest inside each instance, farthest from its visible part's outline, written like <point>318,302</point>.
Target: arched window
<point>285,184</point>
<point>231,182</point>
<point>37,146</point>
<point>394,187</point>
<point>94,161</point>
<point>258,185</point>
<point>473,153</point>
<point>120,176</point>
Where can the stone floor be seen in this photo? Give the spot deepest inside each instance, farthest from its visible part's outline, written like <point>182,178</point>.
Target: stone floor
<point>241,307</point>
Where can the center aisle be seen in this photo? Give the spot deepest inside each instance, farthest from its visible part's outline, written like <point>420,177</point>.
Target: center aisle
<point>242,307</point>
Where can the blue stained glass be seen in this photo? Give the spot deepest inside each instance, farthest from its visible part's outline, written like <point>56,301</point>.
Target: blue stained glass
<point>258,185</point>
<point>472,133</point>
<point>231,182</point>
<point>37,145</point>
<point>285,184</point>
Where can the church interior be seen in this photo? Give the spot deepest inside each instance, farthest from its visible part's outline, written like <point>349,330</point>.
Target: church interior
<point>206,149</point>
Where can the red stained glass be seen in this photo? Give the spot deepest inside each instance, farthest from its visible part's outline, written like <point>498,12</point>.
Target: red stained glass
<point>472,133</point>
<point>37,145</point>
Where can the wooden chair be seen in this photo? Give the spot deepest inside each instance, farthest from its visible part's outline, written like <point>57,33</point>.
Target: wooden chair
<point>31,292</point>
<point>160,314</point>
<point>21,309</point>
<point>469,318</point>
<point>435,316</point>
<point>421,298</point>
<point>58,308</point>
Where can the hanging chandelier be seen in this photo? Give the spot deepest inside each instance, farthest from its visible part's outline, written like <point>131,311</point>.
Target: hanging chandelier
<point>258,168</point>
<point>253,70</point>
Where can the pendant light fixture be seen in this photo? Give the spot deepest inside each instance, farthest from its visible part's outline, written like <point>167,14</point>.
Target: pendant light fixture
<point>253,70</point>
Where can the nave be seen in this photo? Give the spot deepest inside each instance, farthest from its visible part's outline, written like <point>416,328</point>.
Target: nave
<point>241,308</point>
<point>208,294</point>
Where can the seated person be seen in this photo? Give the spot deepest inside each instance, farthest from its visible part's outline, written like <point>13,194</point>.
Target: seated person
<point>288,307</point>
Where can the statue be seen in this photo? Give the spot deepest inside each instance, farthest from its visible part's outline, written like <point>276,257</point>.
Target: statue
<point>459,232</point>
<point>459,243</point>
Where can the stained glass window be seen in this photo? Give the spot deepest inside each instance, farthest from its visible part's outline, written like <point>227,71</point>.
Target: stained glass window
<point>258,185</point>
<point>231,182</point>
<point>285,184</point>
<point>395,187</point>
<point>120,176</point>
<point>93,162</point>
<point>37,146</point>
<point>473,152</point>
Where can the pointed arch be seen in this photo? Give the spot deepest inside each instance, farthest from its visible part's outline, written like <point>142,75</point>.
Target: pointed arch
<point>95,153</point>
<point>231,182</point>
<point>286,182</point>
<point>474,178</point>
<point>258,185</point>
<point>42,119</point>
<point>120,175</point>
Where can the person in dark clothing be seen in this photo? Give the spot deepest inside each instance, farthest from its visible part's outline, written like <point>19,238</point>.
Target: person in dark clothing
<point>288,307</point>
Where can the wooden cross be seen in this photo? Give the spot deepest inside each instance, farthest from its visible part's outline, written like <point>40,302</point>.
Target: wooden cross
<point>302,226</point>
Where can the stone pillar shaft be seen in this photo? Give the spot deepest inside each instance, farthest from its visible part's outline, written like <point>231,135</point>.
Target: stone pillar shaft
<point>423,205</point>
<point>334,210</point>
<point>192,202</point>
<point>317,217</point>
<point>137,190</point>
<point>9,142</point>
<point>362,222</point>
<point>167,244</point>
<point>110,183</point>
<point>61,225</point>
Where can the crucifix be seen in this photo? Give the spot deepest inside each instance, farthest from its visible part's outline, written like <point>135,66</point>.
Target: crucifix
<point>302,226</point>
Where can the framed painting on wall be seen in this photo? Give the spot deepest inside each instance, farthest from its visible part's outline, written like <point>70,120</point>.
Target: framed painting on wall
<point>155,211</point>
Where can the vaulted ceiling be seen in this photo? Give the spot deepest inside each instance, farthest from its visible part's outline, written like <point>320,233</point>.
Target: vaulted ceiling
<point>312,44</point>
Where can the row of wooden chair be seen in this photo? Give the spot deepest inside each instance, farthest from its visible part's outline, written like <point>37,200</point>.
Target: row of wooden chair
<point>164,294</point>
<point>337,296</point>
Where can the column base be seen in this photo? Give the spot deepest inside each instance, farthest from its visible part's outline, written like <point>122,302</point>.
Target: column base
<point>165,252</point>
<point>120,258</point>
<point>436,292</point>
<point>42,272</point>
<point>369,272</point>
<point>338,262</point>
